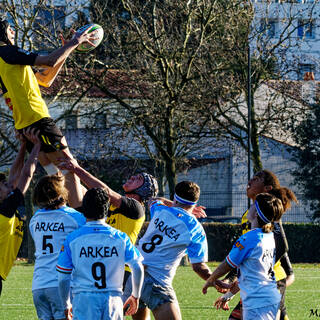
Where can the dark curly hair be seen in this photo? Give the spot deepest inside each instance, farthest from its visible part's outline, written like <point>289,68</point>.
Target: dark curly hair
<point>4,24</point>
<point>95,204</point>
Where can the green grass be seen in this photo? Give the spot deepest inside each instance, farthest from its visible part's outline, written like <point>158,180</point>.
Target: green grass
<point>303,295</point>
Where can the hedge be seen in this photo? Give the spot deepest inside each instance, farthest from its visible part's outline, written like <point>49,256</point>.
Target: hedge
<point>303,239</point>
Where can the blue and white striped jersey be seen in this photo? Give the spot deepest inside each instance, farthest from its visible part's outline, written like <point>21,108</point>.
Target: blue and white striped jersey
<point>254,254</point>
<point>172,232</point>
<point>96,255</point>
<point>49,229</point>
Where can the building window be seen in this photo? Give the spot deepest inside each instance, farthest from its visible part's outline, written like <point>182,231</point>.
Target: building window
<point>304,68</point>
<point>100,121</point>
<point>306,29</point>
<point>72,121</point>
<point>269,27</point>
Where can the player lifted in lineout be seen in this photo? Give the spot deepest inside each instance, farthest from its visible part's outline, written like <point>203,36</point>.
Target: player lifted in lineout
<point>22,94</point>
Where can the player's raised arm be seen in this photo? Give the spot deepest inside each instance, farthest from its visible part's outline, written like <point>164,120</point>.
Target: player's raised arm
<point>30,165</point>
<point>55,60</point>
<point>88,179</point>
<point>17,165</point>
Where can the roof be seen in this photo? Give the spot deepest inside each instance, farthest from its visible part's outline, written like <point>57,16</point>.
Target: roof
<point>74,83</point>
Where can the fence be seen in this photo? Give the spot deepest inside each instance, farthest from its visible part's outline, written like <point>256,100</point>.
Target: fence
<point>235,204</point>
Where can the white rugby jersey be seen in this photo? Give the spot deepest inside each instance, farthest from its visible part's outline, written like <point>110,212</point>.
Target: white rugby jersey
<point>49,229</point>
<point>96,255</point>
<point>254,254</point>
<point>172,232</point>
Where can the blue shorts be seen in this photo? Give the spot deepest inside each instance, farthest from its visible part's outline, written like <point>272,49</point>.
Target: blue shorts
<point>264,313</point>
<point>48,304</point>
<point>97,305</point>
<point>153,294</point>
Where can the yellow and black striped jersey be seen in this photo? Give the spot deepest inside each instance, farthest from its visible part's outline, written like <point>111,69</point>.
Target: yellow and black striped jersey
<point>20,87</point>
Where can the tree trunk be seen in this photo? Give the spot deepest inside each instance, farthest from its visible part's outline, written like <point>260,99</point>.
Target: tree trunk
<point>255,153</point>
<point>171,176</point>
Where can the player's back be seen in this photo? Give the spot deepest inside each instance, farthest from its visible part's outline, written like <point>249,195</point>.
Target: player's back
<point>172,232</point>
<point>49,229</point>
<point>98,254</point>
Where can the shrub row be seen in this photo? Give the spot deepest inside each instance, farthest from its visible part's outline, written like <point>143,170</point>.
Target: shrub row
<point>303,239</point>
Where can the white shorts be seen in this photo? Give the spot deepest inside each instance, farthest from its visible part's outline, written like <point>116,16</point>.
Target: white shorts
<point>48,304</point>
<point>97,305</point>
<point>264,313</point>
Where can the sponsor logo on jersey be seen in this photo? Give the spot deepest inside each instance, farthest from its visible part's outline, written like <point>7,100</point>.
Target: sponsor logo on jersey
<point>98,252</point>
<point>49,226</point>
<point>167,230</point>
<point>239,245</point>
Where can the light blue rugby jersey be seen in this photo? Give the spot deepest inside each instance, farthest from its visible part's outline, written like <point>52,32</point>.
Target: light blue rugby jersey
<point>254,254</point>
<point>172,232</point>
<point>49,229</point>
<point>96,255</point>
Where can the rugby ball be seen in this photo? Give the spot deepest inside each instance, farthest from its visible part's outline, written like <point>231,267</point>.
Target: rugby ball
<point>98,33</point>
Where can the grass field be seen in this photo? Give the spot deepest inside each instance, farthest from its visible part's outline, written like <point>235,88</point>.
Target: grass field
<point>302,296</point>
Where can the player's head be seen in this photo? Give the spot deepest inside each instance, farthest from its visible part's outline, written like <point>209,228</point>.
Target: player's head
<point>6,32</point>
<point>143,184</point>
<point>262,181</point>
<point>266,208</point>
<point>4,188</point>
<point>186,194</point>
<point>95,204</point>
<point>50,192</point>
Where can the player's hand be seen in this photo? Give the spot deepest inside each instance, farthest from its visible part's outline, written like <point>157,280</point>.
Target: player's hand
<point>19,136</point>
<point>223,286</point>
<point>199,212</point>
<point>130,307</point>
<point>67,163</point>
<point>235,287</point>
<point>221,303</point>
<point>32,135</point>
<point>209,283</point>
<point>85,36</point>
<point>68,313</point>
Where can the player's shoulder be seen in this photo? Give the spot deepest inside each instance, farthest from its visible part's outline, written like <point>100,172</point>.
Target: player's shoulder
<point>74,214</point>
<point>7,51</point>
<point>131,207</point>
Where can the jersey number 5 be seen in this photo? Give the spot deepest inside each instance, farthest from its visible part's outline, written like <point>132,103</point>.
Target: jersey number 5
<point>46,244</point>
<point>98,270</point>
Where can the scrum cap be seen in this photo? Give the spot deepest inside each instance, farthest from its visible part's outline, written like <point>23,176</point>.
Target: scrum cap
<point>149,188</point>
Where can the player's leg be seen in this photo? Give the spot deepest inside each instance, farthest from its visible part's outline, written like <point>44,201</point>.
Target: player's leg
<point>54,300</point>
<point>142,314</point>
<point>53,142</point>
<point>42,305</point>
<point>167,311</point>
<point>236,313</point>
<point>281,285</point>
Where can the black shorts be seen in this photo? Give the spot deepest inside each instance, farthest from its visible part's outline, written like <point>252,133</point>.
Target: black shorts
<point>50,136</point>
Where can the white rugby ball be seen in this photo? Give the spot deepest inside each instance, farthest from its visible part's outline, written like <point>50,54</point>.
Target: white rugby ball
<point>98,33</point>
